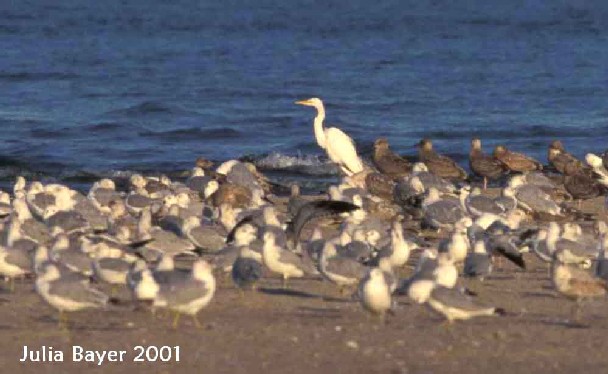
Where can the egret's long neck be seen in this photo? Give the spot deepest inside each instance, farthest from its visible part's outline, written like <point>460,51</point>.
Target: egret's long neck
<point>319,132</point>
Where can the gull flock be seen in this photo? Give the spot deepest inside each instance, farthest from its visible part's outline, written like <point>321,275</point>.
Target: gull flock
<point>383,215</point>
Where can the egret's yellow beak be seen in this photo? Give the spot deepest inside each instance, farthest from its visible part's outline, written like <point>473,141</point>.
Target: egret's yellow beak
<point>303,102</point>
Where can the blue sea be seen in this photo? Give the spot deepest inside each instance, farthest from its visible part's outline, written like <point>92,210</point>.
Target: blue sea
<point>90,89</point>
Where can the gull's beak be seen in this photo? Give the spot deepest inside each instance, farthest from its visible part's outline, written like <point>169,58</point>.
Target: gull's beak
<point>303,102</point>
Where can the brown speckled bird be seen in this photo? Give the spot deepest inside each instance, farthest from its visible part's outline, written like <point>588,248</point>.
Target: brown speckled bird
<point>562,161</point>
<point>388,162</point>
<point>484,165</point>
<point>514,161</point>
<point>573,282</point>
<point>437,164</point>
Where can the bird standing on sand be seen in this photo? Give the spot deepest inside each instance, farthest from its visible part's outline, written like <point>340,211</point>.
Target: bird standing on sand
<point>483,165</point>
<point>282,261</point>
<point>437,164</point>
<point>575,283</point>
<point>67,295</point>
<point>449,302</point>
<point>388,162</point>
<point>374,292</point>
<point>188,295</point>
<point>340,147</point>
<point>514,161</point>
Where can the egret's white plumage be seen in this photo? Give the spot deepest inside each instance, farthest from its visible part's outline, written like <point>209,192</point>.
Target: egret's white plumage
<point>340,147</point>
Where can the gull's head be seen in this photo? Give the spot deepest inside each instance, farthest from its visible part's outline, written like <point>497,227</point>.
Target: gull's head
<point>593,160</point>
<point>201,269</point>
<point>381,143</point>
<point>557,145</point>
<point>269,237</point>
<point>419,167</point>
<point>314,102</point>
<point>426,144</point>
<point>554,152</point>
<point>166,263</point>
<point>376,274</point>
<point>107,183</point>
<point>476,144</point>
<point>499,150</point>
<point>197,172</point>
<point>480,247</point>
<point>420,291</point>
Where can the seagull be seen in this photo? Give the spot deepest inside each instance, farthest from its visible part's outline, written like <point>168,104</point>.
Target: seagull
<point>572,252</point>
<point>340,147</point>
<point>70,254</point>
<point>442,213</point>
<point>562,161</point>
<point>67,295</point>
<point>388,162</point>
<point>433,266</point>
<point>440,165</point>
<point>531,197</point>
<point>343,271</point>
<point>599,168</point>
<point>111,270</point>
<point>243,235</point>
<point>198,181</point>
<point>189,295</point>
<point>206,237</point>
<point>102,193</point>
<point>478,204</point>
<point>374,293</point>
<point>67,221</point>
<point>477,264</point>
<point>398,250</point>
<point>601,270</point>
<point>14,262</point>
<point>282,261</point>
<point>428,179</point>
<point>5,204</point>
<point>483,165</point>
<point>457,245</point>
<point>573,282</point>
<point>450,303</point>
<point>514,161</point>
<point>161,241</point>
<point>247,269</point>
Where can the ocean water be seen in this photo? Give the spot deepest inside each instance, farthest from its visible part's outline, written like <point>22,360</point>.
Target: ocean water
<point>106,88</point>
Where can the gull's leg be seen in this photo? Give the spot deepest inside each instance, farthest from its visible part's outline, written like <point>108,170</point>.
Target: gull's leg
<point>176,320</point>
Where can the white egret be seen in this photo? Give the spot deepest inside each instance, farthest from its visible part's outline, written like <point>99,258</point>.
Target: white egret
<point>339,147</point>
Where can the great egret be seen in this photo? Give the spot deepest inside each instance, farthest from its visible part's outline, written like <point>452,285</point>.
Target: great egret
<point>339,147</point>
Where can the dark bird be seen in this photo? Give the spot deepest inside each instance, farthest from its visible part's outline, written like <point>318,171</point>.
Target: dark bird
<point>483,165</point>
<point>380,185</point>
<point>582,185</point>
<point>514,161</point>
<point>437,164</point>
<point>562,161</point>
<point>316,209</point>
<point>246,270</point>
<point>388,162</point>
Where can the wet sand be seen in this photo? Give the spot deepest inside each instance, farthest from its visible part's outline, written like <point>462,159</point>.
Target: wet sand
<point>310,327</point>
